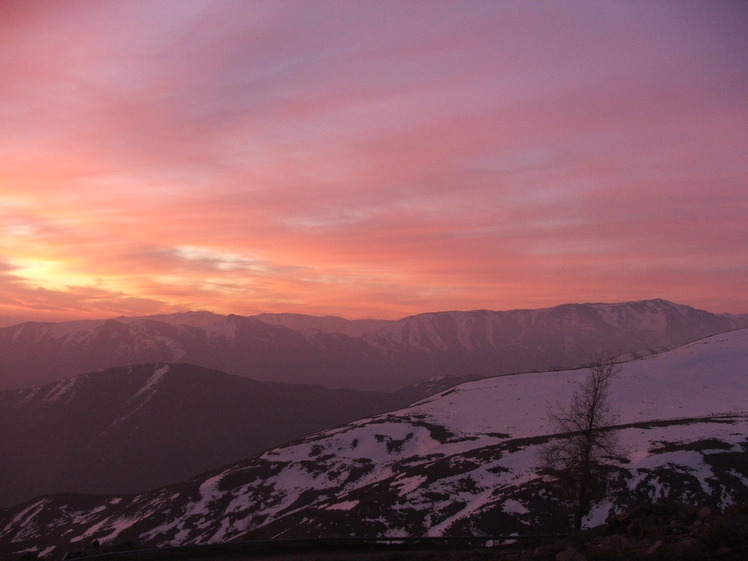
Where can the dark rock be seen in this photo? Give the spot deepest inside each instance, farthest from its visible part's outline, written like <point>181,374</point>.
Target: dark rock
<point>654,547</point>
<point>570,554</point>
<point>705,512</point>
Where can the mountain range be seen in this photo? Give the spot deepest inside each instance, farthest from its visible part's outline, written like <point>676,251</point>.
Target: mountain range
<point>464,461</point>
<point>375,355</point>
<point>136,426</point>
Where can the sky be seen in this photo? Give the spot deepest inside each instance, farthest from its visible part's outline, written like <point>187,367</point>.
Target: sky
<point>370,158</point>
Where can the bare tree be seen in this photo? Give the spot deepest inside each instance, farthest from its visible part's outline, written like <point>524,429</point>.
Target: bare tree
<point>584,436</point>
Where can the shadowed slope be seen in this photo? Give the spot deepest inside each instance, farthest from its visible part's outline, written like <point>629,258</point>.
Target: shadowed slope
<point>129,429</point>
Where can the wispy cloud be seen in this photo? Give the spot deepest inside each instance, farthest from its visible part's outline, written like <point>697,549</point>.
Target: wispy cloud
<point>358,159</point>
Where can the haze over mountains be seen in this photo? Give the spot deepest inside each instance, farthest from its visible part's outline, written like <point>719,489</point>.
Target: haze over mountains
<point>364,354</point>
<point>464,461</point>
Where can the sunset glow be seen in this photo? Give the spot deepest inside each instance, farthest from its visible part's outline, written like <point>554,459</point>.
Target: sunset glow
<point>370,159</point>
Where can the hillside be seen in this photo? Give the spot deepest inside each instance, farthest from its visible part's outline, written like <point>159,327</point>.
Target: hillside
<point>365,354</point>
<point>130,429</point>
<point>464,461</point>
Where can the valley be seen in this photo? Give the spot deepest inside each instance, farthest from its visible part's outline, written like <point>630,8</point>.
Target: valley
<point>463,461</point>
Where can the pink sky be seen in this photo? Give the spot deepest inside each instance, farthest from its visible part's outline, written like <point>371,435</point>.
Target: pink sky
<point>370,159</point>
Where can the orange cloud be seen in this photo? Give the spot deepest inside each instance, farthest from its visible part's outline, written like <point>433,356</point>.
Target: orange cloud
<point>361,161</point>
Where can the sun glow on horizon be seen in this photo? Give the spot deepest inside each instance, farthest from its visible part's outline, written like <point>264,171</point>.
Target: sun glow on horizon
<point>368,161</point>
<point>47,274</point>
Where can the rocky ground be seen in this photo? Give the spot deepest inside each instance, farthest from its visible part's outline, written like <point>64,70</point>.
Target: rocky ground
<point>662,532</point>
<point>650,533</point>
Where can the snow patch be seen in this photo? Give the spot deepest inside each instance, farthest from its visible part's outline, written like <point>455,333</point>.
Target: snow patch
<point>409,484</point>
<point>514,507</point>
<point>345,505</point>
<point>598,514</point>
<point>152,382</point>
<point>144,394</point>
<point>59,389</point>
<point>117,526</point>
<point>28,513</point>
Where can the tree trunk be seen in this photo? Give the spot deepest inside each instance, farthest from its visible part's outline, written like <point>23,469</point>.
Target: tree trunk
<point>580,508</point>
<point>583,483</point>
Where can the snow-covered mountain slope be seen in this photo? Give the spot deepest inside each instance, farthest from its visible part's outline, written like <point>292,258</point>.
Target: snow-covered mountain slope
<point>362,354</point>
<point>489,343</point>
<point>325,324</point>
<point>130,429</point>
<point>464,461</point>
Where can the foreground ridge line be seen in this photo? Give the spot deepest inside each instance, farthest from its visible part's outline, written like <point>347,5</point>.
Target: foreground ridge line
<point>315,544</point>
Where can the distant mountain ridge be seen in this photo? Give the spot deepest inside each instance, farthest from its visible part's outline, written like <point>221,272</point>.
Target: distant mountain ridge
<point>462,462</point>
<point>361,354</point>
<point>129,429</point>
